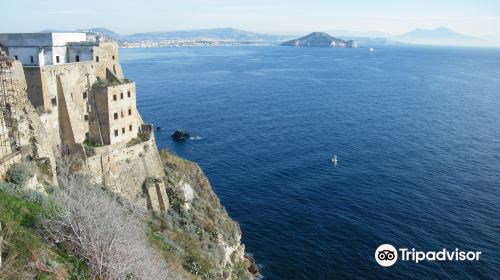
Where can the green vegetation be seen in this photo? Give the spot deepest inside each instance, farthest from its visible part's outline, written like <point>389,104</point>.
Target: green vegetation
<point>89,147</point>
<point>19,173</point>
<point>140,139</point>
<point>26,254</point>
<point>104,83</point>
<point>191,236</point>
<point>43,167</point>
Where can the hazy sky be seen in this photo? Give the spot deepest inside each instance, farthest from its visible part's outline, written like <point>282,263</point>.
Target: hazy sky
<point>473,17</point>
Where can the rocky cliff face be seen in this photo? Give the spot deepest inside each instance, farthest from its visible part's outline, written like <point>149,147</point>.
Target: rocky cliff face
<point>186,222</point>
<point>197,233</point>
<point>25,122</point>
<point>320,40</point>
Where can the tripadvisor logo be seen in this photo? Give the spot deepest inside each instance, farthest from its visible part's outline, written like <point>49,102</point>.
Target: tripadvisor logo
<point>387,255</point>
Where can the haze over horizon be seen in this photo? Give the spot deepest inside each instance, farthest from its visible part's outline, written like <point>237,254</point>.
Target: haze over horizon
<point>480,19</point>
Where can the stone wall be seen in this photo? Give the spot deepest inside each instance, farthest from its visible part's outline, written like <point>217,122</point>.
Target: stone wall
<point>118,116</point>
<point>106,54</point>
<point>62,92</point>
<point>135,172</point>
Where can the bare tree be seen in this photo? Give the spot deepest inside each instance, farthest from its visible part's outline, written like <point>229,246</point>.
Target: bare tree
<point>110,236</point>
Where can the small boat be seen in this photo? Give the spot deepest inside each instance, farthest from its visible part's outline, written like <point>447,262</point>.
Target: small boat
<point>372,49</point>
<point>334,160</point>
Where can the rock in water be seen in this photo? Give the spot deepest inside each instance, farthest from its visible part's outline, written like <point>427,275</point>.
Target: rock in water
<point>180,135</point>
<point>253,268</point>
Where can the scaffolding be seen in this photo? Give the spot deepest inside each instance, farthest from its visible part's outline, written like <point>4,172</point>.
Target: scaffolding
<point>9,133</point>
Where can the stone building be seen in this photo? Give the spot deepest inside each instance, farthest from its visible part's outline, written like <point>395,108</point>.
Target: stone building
<point>76,83</point>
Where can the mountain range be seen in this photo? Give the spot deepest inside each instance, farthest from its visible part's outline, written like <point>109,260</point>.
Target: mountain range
<point>437,36</point>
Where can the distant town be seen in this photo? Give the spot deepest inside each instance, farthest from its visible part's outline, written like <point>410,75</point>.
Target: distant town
<point>196,43</point>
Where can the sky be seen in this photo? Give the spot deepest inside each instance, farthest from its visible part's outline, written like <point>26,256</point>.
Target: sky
<point>472,17</point>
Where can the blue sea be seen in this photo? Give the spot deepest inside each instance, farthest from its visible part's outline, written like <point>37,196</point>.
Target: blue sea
<point>416,131</point>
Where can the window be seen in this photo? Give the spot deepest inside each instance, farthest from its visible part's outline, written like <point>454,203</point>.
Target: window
<point>97,59</point>
<point>57,59</point>
<point>77,58</point>
<point>123,130</point>
<point>16,58</point>
<point>116,132</point>
<point>129,112</point>
<point>121,95</point>
<point>130,127</point>
<point>114,69</point>
<point>84,94</point>
<point>113,57</point>
<point>31,59</point>
<point>115,116</point>
<point>121,113</point>
<point>114,97</point>
<point>86,117</point>
<point>128,93</point>
<point>54,101</point>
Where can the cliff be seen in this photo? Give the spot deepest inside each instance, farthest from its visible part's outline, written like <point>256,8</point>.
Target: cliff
<point>160,211</point>
<point>320,40</point>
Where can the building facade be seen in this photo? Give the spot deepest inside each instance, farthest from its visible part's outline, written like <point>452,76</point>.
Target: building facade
<point>76,83</point>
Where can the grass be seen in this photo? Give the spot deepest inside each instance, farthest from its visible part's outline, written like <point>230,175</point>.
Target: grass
<point>140,139</point>
<point>103,83</point>
<point>24,246</point>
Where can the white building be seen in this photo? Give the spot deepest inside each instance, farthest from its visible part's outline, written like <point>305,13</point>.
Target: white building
<point>40,49</point>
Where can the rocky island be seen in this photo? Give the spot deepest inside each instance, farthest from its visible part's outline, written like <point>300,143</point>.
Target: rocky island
<point>320,40</point>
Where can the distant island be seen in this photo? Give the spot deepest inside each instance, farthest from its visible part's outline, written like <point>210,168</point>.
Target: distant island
<point>320,40</point>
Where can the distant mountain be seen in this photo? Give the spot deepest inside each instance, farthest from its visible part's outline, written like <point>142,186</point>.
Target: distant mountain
<point>438,36</point>
<point>225,34</point>
<point>104,31</point>
<point>321,40</point>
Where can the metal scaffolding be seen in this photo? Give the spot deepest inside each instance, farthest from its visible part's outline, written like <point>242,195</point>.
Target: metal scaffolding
<point>9,133</point>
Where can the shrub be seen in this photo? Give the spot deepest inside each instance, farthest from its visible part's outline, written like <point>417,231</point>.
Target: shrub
<point>19,173</point>
<point>34,196</point>
<point>9,188</point>
<point>112,238</point>
<point>89,147</point>
<point>104,83</point>
<point>44,166</point>
<point>133,141</point>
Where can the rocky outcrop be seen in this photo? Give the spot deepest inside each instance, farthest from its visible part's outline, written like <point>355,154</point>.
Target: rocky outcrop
<point>180,135</point>
<point>203,238</point>
<point>27,126</point>
<point>320,40</point>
